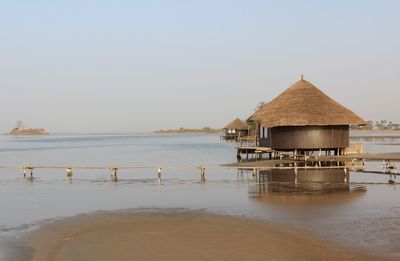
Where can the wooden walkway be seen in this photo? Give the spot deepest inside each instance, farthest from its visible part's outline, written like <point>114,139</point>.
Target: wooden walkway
<point>253,151</point>
<point>377,157</point>
<point>372,157</point>
<point>28,170</point>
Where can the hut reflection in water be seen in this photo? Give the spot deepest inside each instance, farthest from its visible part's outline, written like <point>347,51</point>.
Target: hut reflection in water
<point>318,185</point>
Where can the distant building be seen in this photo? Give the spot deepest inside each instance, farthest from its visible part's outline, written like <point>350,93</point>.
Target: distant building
<point>235,130</point>
<point>303,119</point>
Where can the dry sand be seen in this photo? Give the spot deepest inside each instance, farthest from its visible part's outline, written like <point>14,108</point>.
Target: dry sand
<point>176,236</point>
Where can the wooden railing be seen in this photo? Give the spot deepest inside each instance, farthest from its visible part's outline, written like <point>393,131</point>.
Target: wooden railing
<point>250,141</point>
<point>354,148</point>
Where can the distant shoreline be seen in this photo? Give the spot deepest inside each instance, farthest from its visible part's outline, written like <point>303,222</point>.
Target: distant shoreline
<point>205,130</point>
<point>172,132</point>
<point>114,134</point>
<point>183,133</point>
<point>372,131</point>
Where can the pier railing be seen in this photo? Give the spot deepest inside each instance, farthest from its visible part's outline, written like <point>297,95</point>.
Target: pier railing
<point>248,141</point>
<point>389,167</point>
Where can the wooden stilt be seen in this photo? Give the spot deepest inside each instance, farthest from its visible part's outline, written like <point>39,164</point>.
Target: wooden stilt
<point>25,169</point>
<point>159,173</point>
<point>113,173</point>
<point>239,158</point>
<point>69,173</point>
<point>391,180</point>
<point>202,173</point>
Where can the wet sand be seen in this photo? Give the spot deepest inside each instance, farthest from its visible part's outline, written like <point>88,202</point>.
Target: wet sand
<point>176,236</point>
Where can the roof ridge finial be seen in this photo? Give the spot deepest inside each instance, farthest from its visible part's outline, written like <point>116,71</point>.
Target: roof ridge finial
<point>302,77</point>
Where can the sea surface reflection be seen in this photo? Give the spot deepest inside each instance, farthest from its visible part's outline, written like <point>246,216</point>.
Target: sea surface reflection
<point>345,203</point>
<point>305,186</point>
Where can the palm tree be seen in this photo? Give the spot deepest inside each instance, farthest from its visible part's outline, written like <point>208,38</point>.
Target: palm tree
<point>259,106</point>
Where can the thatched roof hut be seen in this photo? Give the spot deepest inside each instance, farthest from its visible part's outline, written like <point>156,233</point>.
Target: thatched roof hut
<point>304,118</point>
<point>236,124</point>
<point>235,130</point>
<point>303,104</point>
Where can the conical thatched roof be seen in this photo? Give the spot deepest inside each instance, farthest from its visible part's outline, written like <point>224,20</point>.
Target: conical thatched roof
<point>304,104</point>
<point>236,124</point>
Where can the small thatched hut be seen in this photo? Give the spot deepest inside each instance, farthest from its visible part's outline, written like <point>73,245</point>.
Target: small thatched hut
<point>236,129</point>
<point>304,119</point>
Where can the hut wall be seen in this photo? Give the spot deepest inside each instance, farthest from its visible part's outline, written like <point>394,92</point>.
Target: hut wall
<point>309,137</point>
<point>243,133</point>
<point>264,138</point>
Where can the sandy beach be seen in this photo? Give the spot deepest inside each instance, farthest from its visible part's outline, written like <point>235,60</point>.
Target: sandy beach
<point>175,236</point>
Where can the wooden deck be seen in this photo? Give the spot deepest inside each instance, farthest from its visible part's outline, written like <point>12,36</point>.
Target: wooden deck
<point>373,157</point>
<point>254,152</point>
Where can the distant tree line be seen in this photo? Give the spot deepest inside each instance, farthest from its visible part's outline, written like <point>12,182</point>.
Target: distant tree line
<point>378,125</point>
<point>188,131</point>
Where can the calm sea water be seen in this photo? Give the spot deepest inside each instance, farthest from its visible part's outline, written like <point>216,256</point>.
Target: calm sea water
<point>353,209</point>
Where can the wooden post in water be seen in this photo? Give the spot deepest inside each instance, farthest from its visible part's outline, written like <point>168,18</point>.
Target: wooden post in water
<point>254,173</point>
<point>391,169</point>
<point>27,168</point>
<point>159,173</point>
<point>69,173</point>
<point>238,156</point>
<point>113,173</point>
<point>202,173</point>
<point>392,181</point>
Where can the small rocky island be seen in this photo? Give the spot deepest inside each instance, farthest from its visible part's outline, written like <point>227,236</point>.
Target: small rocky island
<point>20,130</point>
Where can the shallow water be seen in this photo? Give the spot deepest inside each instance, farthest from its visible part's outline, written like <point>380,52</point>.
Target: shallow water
<point>353,209</point>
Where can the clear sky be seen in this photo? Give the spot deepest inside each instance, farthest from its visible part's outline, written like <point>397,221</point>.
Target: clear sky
<point>119,66</point>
